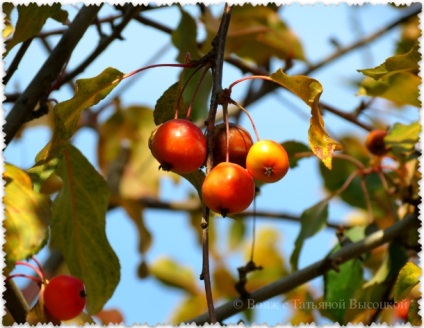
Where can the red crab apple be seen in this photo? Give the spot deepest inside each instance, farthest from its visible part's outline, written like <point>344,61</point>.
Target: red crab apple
<point>178,145</point>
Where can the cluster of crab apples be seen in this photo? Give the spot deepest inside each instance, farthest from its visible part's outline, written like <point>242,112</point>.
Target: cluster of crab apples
<point>229,188</point>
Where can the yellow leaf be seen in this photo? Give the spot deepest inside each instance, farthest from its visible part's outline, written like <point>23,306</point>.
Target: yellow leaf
<point>310,90</point>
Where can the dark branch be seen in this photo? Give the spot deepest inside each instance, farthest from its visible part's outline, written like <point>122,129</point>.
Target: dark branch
<point>48,72</point>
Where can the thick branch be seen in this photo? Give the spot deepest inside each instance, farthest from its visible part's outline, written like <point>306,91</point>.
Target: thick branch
<point>48,72</point>
<point>314,270</point>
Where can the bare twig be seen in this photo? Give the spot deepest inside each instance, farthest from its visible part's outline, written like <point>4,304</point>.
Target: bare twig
<point>48,72</point>
<point>314,270</point>
<point>130,13</point>
<point>15,63</point>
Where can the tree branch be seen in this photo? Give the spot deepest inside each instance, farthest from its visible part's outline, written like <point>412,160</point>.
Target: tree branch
<point>312,271</point>
<point>130,13</point>
<point>48,72</point>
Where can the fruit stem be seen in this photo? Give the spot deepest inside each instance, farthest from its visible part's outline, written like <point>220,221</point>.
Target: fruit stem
<point>205,70</point>
<point>29,265</point>
<point>21,275</point>
<point>252,77</point>
<point>154,66</point>
<point>227,132</point>
<point>250,118</point>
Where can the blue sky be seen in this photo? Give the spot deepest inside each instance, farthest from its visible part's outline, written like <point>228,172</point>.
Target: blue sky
<point>280,118</point>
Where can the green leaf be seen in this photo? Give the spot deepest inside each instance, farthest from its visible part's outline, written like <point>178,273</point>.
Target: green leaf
<point>408,277</point>
<point>396,79</point>
<point>184,37</point>
<point>292,148</point>
<point>201,103</point>
<point>167,104</point>
<point>88,92</point>
<point>309,90</point>
<point>401,88</point>
<point>340,288</point>
<point>31,19</point>
<point>236,234</point>
<point>257,33</point>
<point>402,139</point>
<point>312,221</point>
<point>395,64</point>
<point>78,228</point>
<point>381,274</point>
<point>171,273</point>
<point>26,216</point>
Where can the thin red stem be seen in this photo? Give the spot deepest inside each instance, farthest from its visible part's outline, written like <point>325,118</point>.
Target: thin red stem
<point>250,118</point>
<point>185,85</point>
<point>154,66</point>
<point>252,77</point>
<point>40,267</point>
<point>21,275</point>
<point>29,265</point>
<point>227,132</point>
<point>205,70</point>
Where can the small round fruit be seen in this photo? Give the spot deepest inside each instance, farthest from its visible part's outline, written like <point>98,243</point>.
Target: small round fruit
<point>267,161</point>
<point>240,142</point>
<point>64,297</point>
<point>375,142</point>
<point>228,189</point>
<point>402,308</point>
<point>179,146</point>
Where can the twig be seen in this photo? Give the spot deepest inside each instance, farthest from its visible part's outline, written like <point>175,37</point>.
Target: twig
<point>15,302</point>
<point>15,63</point>
<point>48,72</point>
<point>312,271</point>
<point>130,13</point>
<point>218,45</point>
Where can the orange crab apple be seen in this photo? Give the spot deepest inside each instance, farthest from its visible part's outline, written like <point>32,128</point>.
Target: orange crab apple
<point>267,161</point>
<point>228,189</point>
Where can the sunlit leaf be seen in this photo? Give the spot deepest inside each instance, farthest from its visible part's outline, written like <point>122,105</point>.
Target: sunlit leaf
<point>309,90</point>
<point>260,28</point>
<point>395,64</point>
<point>340,287</point>
<point>188,308</point>
<point>223,282</point>
<point>396,79</point>
<point>312,221</point>
<point>293,148</point>
<point>408,277</point>
<point>31,19</point>
<point>403,138</point>
<point>402,88</point>
<point>27,214</point>
<point>173,274</point>
<point>268,254</point>
<point>78,228</point>
<point>88,92</point>
<point>414,317</point>
<point>184,37</point>
<point>381,274</point>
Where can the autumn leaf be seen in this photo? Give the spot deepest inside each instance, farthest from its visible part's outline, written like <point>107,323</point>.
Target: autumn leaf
<point>31,19</point>
<point>408,277</point>
<point>27,214</point>
<point>78,228</point>
<point>309,90</point>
